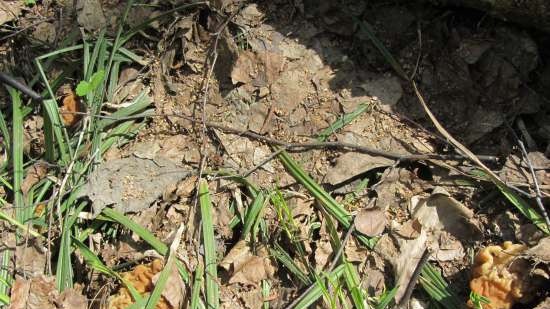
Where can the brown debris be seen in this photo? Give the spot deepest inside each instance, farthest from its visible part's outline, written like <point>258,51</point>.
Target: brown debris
<point>41,293</point>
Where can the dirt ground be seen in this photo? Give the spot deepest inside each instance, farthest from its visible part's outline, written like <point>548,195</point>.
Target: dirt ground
<point>243,91</point>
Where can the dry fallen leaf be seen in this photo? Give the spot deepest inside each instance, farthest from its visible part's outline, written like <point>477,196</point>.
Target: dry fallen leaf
<point>370,221</point>
<point>30,259</point>
<point>90,14</point>
<point>245,267</point>
<point>410,229</point>
<point>444,223</point>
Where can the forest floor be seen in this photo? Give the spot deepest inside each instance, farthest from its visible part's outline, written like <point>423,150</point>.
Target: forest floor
<point>272,154</point>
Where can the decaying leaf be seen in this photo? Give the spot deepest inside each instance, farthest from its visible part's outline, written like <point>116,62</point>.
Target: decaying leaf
<point>71,107</point>
<point>516,170</point>
<point>40,292</point>
<point>540,252</point>
<point>30,258</point>
<point>370,221</point>
<point>245,267</point>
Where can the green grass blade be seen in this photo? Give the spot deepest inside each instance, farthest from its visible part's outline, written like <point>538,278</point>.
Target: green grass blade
<point>24,228</point>
<point>100,41</point>
<point>282,256</point>
<point>21,212</point>
<point>210,262</point>
<point>386,298</point>
<point>266,287</point>
<point>142,232</point>
<point>196,292</point>
<point>342,121</point>
<point>6,136</point>
<point>329,204</point>
<point>252,213</point>
<point>95,263</point>
<point>353,283</point>
<point>524,208</point>
<point>64,271</point>
<point>92,260</point>
<point>4,299</point>
<point>154,242</point>
<point>57,127</point>
<point>140,103</point>
<point>160,284</point>
<point>317,291</point>
<point>439,290</point>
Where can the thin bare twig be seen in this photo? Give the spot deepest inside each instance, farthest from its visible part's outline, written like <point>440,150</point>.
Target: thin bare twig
<point>538,194</point>
<point>264,162</point>
<point>36,23</point>
<point>309,145</point>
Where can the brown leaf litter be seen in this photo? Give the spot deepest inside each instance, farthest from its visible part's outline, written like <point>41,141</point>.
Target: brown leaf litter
<point>40,292</point>
<point>440,223</point>
<point>10,10</point>
<point>246,267</point>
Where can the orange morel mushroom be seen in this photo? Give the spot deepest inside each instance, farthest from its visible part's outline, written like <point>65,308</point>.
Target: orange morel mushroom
<point>494,277</point>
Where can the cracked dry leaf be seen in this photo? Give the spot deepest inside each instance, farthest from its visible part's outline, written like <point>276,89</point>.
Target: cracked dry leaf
<point>370,221</point>
<point>245,267</point>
